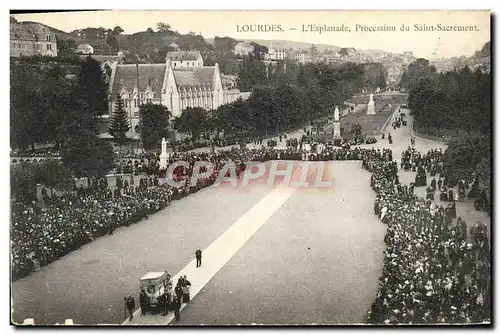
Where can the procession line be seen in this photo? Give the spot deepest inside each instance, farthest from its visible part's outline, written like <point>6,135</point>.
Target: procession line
<point>216,255</point>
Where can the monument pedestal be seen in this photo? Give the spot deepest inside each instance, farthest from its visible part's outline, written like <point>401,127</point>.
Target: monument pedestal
<point>164,160</point>
<point>336,130</point>
<point>371,106</point>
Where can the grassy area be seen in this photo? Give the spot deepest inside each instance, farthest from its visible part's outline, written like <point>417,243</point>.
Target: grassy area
<point>370,124</point>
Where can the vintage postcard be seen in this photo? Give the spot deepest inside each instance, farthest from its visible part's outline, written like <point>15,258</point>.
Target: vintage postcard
<point>177,168</point>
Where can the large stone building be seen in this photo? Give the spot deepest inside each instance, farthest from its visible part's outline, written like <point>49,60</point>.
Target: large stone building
<point>303,57</point>
<point>30,38</point>
<point>185,59</point>
<point>243,48</point>
<point>276,54</point>
<point>175,86</point>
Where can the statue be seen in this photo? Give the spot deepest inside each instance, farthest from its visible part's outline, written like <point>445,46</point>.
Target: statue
<point>336,115</point>
<point>164,157</point>
<point>371,106</point>
<point>163,145</point>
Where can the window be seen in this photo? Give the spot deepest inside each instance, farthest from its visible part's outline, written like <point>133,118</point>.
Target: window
<point>126,102</point>
<point>49,46</point>
<point>148,101</point>
<point>135,102</point>
<point>47,37</point>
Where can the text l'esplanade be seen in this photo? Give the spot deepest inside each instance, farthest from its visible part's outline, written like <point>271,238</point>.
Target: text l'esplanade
<point>263,28</point>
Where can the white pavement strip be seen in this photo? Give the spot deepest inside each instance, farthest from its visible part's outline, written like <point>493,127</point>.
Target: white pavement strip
<point>222,249</point>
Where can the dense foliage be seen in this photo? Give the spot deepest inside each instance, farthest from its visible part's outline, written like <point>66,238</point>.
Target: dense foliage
<point>50,173</point>
<point>291,98</point>
<point>155,125</point>
<point>459,100</point>
<point>119,125</point>
<point>466,157</point>
<point>49,107</point>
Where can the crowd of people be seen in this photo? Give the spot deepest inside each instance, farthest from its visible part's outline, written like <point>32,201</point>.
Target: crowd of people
<point>433,271</point>
<point>43,233</point>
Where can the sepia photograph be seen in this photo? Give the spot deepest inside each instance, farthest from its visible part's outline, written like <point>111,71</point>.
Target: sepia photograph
<point>250,168</point>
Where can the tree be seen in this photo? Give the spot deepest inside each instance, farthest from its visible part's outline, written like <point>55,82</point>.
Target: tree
<point>149,30</point>
<point>155,124</point>
<point>192,120</point>
<point>463,155</point>
<point>92,82</point>
<point>23,182</point>
<point>357,130</point>
<point>163,27</point>
<point>88,156</point>
<point>119,122</point>
<point>117,30</point>
<point>53,174</point>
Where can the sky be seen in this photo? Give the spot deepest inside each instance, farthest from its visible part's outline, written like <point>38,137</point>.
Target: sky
<point>296,26</point>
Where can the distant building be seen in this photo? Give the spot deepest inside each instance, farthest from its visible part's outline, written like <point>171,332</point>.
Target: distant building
<point>84,49</point>
<point>229,80</point>
<point>243,48</point>
<point>184,59</point>
<point>276,54</point>
<point>174,46</point>
<point>28,39</point>
<point>333,60</point>
<point>175,87</point>
<point>303,57</point>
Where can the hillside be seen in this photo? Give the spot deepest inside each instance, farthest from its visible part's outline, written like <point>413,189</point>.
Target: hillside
<point>283,44</point>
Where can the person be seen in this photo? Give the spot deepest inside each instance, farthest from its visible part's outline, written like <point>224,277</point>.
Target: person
<point>198,258</point>
<point>130,303</point>
<point>143,301</point>
<point>177,307</point>
<point>185,289</point>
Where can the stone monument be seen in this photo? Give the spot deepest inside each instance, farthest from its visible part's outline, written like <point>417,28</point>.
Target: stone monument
<point>371,106</point>
<point>164,155</point>
<point>336,123</point>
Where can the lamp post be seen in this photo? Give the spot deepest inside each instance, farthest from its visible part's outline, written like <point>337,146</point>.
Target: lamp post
<point>139,106</point>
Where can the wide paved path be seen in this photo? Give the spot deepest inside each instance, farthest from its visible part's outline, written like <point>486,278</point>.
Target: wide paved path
<point>292,256</point>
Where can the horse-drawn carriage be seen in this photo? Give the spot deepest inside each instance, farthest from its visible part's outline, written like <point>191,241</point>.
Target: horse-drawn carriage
<point>154,287</point>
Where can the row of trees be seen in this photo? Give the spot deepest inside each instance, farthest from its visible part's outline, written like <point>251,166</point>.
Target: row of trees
<point>469,156</point>
<point>47,107</point>
<point>291,102</point>
<point>275,108</point>
<point>458,100</point>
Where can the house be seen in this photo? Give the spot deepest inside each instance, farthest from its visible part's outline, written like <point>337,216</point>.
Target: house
<point>184,59</point>
<point>173,86</point>
<point>276,54</point>
<point>243,48</point>
<point>303,58</point>
<point>31,38</point>
<point>84,49</point>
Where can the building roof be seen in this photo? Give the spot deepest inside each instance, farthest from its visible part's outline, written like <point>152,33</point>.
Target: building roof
<point>194,76</point>
<point>40,30</point>
<point>149,74</point>
<point>243,44</point>
<point>18,32</point>
<point>182,55</point>
<point>81,46</point>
